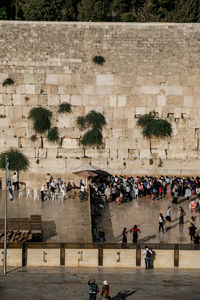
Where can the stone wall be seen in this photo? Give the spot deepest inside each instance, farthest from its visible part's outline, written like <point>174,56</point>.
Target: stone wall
<point>149,67</point>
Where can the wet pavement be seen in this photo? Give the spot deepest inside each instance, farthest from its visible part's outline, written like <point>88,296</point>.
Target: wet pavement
<point>66,221</point>
<point>145,213</point>
<point>71,283</point>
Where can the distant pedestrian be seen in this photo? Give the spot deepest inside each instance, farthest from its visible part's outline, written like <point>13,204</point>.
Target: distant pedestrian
<point>188,193</point>
<point>101,235</point>
<point>168,214</point>
<point>105,290</point>
<point>135,231</point>
<point>42,191</point>
<point>16,181</point>
<point>175,196</point>
<point>181,215</point>
<point>161,222</point>
<point>94,290</point>
<point>124,236</point>
<point>147,257</point>
<point>192,231</point>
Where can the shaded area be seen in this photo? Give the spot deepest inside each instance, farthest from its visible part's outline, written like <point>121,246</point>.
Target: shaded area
<point>49,230</point>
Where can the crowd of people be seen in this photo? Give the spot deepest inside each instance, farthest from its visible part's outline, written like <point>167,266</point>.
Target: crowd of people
<point>123,189</point>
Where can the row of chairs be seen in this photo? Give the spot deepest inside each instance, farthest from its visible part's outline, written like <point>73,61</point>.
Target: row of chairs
<point>48,195</point>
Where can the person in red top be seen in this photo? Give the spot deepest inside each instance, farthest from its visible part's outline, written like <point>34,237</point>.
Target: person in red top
<point>135,231</point>
<point>105,290</point>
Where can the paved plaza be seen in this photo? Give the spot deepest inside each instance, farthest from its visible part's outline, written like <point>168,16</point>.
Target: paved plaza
<point>145,213</point>
<point>62,222</point>
<point>71,284</point>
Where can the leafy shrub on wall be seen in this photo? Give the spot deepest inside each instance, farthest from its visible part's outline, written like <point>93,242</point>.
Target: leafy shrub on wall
<point>94,122</point>
<point>53,135</point>
<point>65,107</point>
<point>41,118</point>
<point>151,126</point>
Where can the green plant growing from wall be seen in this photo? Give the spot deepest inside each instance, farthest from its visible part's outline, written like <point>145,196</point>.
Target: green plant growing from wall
<point>17,160</point>
<point>99,60</point>
<point>153,127</point>
<point>53,135</point>
<point>8,81</point>
<point>41,118</point>
<point>94,122</point>
<point>65,108</point>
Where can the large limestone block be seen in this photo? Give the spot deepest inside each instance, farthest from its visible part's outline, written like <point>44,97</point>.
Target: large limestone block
<point>53,99</point>
<point>53,165</point>
<point>29,89</point>
<point>52,79</point>
<point>173,90</point>
<point>76,100</point>
<point>121,100</point>
<point>43,257</point>
<point>71,153</point>
<point>159,143</point>
<point>27,143</point>
<point>42,153</point>
<point>176,144</point>
<point>3,77</point>
<point>6,99</point>
<point>64,79</point>
<point>101,163</point>
<point>175,101</point>
<point>145,153</point>
<point>81,257</point>
<point>97,153</point>
<point>73,163</point>
<point>64,121</point>
<point>194,123</point>
<point>103,90</point>
<point>119,258</point>
<point>190,144</point>
<point>14,257</point>
<point>12,142</point>
<point>52,153</point>
<point>29,152</point>
<point>161,100</point>
<point>162,259</point>
<point>188,101</point>
<point>150,89</point>
<point>70,143</point>
<point>105,79</point>
<point>189,259</point>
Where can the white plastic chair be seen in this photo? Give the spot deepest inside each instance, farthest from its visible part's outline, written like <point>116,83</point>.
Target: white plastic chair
<point>28,193</point>
<point>21,193</point>
<point>36,194</point>
<point>53,196</point>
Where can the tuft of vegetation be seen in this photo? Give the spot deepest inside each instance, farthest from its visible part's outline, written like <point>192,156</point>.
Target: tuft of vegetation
<point>65,108</point>
<point>94,121</point>
<point>53,135</point>
<point>17,160</point>
<point>92,137</point>
<point>81,123</point>
<point>33,138</point>
<point>99,60</point>
<point>8,81</point>
<point>151,126</point>
<point>41,118</point>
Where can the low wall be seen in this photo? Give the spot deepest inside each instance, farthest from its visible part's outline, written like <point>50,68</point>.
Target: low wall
<point>97,255</point>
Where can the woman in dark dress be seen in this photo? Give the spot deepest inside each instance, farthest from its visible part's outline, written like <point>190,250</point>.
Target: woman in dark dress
<point>135,231</point>
<point>124,236</point>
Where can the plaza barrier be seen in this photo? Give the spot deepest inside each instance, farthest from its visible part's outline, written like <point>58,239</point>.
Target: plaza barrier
<point>101,255</point>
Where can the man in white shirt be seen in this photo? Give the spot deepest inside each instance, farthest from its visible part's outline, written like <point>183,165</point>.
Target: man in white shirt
<point>83,193</point>
<point>147,257</point>
<point>15,181</point>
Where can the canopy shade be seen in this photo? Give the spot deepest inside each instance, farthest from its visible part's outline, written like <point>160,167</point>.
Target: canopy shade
<point>85,174</point>
<point>85,167</point>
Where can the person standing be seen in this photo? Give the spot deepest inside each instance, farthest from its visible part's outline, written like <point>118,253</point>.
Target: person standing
<point>16,181</point>
<point>192,231</point>
<point>101,235</point>
<point>105,290</point>
<point>147,257</point>
<point>181,215</point>
<point>49,179</point>
<point>42,192</point>
<point>124,236</point>
<point>161,222</point>
<point>168,214</point>
<point>93,289</point>
<point>135,231</point>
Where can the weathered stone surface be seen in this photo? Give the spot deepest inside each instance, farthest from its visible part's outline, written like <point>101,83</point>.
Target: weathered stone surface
<point>156,78</point>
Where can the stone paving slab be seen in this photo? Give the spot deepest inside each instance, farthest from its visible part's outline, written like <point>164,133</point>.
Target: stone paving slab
<point>66,222</point>
<point>71,284</point>
<point>145,213</point>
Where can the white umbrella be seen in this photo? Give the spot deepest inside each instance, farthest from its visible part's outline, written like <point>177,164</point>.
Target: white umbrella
<point>85,167</point>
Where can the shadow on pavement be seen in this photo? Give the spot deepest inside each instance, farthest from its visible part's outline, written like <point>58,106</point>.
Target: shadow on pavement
<point>125,294</point>
<point>147,238</point>
<point>49,230</point>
